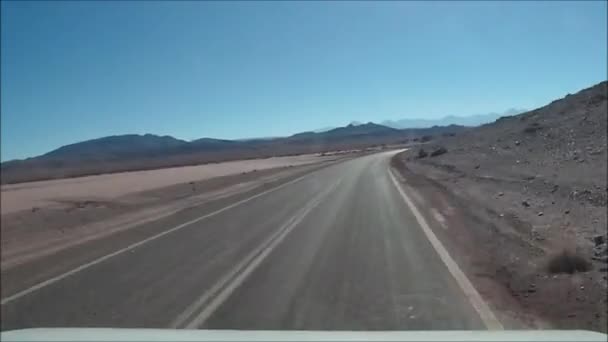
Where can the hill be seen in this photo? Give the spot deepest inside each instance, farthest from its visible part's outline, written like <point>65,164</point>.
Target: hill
<point>140,152</point>
<point>116,147</point>
<point>534,189</point>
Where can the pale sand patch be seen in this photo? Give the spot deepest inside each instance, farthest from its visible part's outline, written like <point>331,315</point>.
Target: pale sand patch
<point>31,246</point>
<point>22,196</point>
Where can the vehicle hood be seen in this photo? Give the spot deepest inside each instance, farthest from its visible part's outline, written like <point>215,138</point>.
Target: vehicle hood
<point>114,334</point>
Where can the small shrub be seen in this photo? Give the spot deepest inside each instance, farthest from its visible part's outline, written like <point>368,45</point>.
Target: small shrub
<point>426,138</point>
<point>422,153</point>
<point>439,151</point>
<point>532,128</point>
<point>568,262</point>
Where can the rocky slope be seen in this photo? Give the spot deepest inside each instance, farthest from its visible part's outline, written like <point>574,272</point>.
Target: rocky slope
<point>539,176</point>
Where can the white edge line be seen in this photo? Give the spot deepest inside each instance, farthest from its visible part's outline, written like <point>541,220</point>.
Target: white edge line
<point>137,244</point>
<point>484,311</point>
<point>252,262</point>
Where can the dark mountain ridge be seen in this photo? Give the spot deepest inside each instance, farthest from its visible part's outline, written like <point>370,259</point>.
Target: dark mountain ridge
<point>131,152</point>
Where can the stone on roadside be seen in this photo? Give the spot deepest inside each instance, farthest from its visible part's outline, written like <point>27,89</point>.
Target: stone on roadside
<point>599,240</point>
<point>603,259</point>
<point>422,153</point>
<point>601,250</point>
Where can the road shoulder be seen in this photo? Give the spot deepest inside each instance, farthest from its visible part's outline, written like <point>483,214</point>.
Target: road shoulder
<point>508,270</point>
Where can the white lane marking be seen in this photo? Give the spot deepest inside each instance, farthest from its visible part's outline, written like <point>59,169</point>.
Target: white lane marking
<point>137,244</point>
<point>221,291</point>
<point>439,218</point>
<point>484,311</point>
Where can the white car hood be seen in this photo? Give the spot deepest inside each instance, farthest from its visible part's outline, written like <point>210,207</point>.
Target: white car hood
<point>114,334</point>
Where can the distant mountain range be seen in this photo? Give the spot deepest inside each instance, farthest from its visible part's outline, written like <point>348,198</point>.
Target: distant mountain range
<point>469,121</point>
<point>149,151</point>
<point>115,147</point>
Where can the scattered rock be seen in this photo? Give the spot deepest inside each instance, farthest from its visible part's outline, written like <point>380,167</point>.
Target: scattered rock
<point>602,259</point>
<point>540,213</point>
<point>525,204</point>
<point>566,211</point>
<point>536,235</point>
<point>596,152</point>
<point>501,194</point>
<point>35,209</point>
<point>477,166</point>
<point>517,143</point>
<point>600,252</point>
<point>599,240</point>
<point>422,153</point>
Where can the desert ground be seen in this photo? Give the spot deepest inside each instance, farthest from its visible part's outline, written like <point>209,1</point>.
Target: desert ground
<point>40,218</point>
<point>26,196</point>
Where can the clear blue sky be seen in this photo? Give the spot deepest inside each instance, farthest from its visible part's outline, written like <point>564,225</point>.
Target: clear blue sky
<point>77,70</point>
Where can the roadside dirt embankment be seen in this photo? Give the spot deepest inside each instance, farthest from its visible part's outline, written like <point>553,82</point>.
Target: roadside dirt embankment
<point>524,201</point>
<point>32,195</point>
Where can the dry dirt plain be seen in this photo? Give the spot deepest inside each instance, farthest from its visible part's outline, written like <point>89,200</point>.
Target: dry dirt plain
<point>25,196</point>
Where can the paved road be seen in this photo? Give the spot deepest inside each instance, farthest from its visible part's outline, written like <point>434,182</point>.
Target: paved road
<point>336,249</point>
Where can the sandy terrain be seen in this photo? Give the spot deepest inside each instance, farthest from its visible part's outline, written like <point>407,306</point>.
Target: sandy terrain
<point>26,196</point>
<point>32,234</point>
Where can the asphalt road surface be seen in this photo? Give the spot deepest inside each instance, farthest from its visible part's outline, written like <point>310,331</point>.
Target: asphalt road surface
<point>337,249</point>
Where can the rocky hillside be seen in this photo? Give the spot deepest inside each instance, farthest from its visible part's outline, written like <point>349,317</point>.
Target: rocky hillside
<point>553,159</point>
<point>539,176</point>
